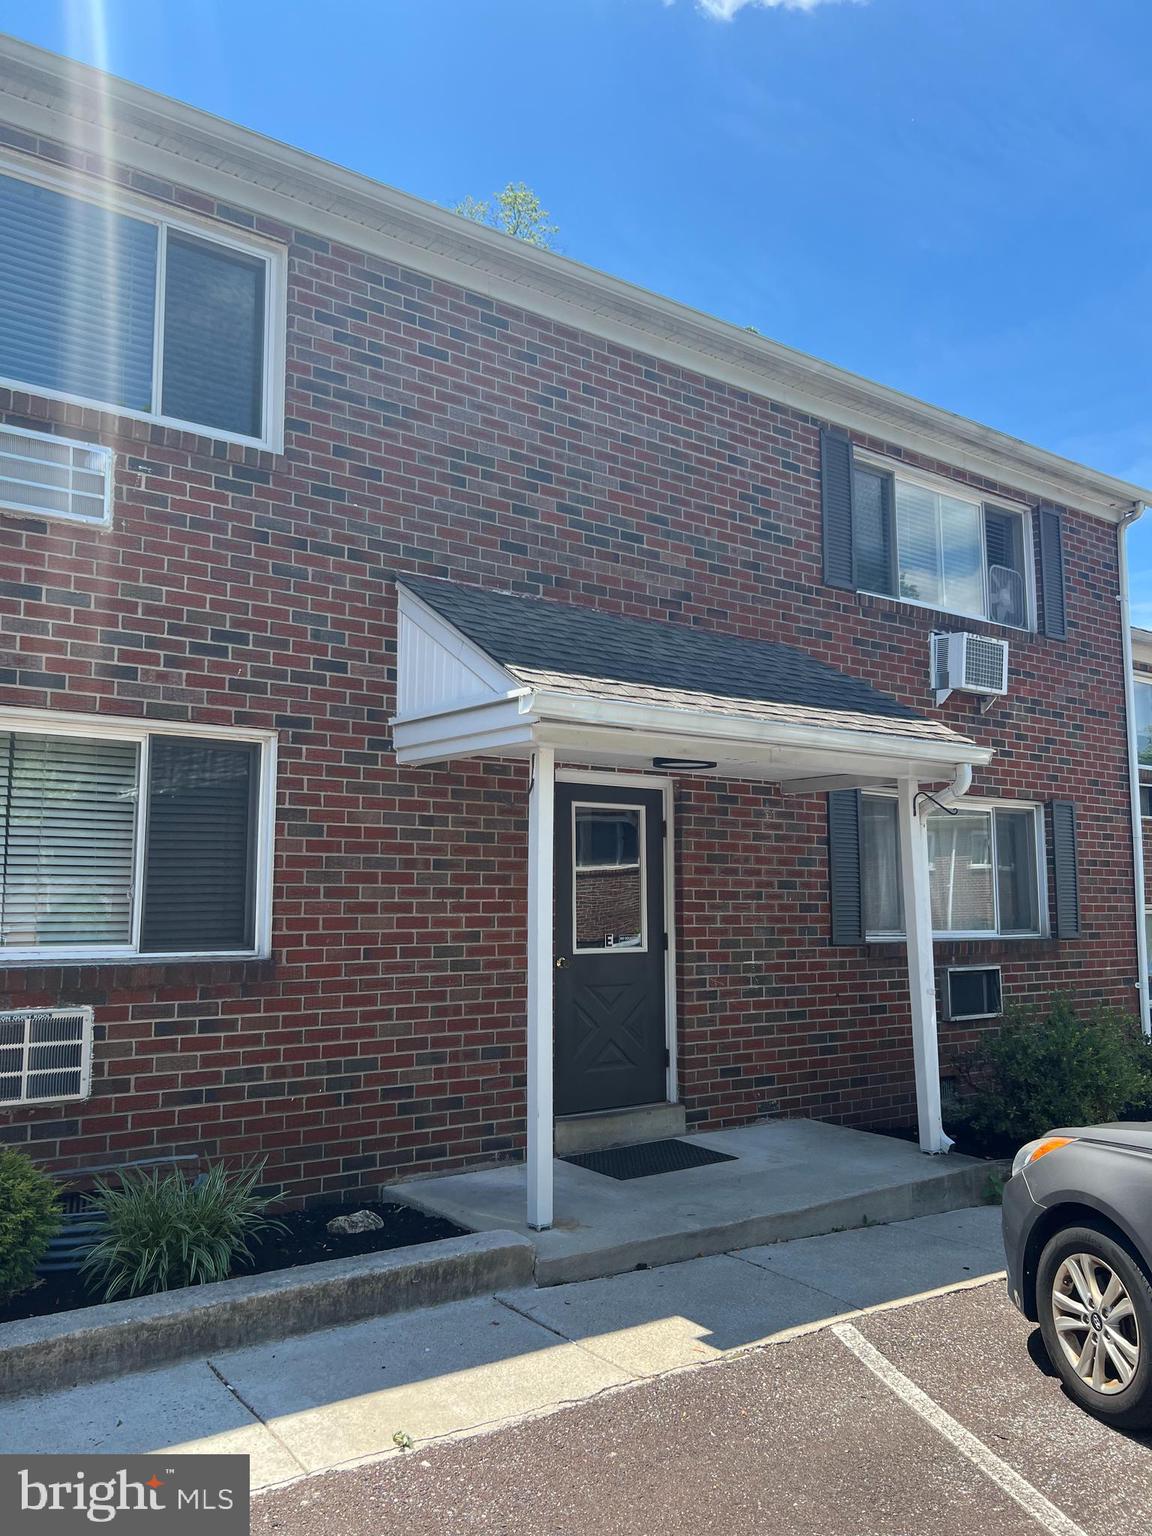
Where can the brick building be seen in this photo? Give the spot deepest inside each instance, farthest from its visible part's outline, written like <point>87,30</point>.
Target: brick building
<point>366,572</point>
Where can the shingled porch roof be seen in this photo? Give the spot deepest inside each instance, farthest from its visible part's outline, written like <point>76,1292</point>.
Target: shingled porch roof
<point>583,670</point>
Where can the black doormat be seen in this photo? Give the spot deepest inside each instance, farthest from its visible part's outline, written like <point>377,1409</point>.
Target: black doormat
<point>648,1158</point>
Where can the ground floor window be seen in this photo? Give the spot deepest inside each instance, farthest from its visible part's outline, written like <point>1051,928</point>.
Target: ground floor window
<point>118,841</point>
<point>985,870</point>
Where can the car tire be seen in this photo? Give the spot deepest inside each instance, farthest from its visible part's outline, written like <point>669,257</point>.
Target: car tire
<point>1099,1339</point>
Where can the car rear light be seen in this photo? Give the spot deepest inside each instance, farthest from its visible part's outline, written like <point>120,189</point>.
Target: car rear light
<point>1040,1148</point>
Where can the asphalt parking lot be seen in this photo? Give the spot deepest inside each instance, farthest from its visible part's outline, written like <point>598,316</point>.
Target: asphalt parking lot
<point>933,1417</point>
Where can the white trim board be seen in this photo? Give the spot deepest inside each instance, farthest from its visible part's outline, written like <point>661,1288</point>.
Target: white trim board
<point>58,98</point>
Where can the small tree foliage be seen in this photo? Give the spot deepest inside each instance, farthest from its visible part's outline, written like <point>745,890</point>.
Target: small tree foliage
<point>516,211</point>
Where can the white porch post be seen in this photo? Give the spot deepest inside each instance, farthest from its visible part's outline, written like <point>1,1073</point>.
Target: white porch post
<point>541,806</point>
<point>921,968</point>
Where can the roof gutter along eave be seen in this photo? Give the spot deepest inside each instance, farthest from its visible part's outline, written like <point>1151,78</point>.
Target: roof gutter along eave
<point>548,707</point>
<point>161,136</point>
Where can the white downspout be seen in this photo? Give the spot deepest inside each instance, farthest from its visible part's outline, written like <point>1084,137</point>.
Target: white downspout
<point>960,785</point>
<point>913,808</point>
<point>1133,766</point>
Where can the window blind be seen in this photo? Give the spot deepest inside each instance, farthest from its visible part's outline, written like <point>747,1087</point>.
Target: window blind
<point>77,296</point>
<point>213,335</point>
<point>199,861</point>
<point>67,836</point>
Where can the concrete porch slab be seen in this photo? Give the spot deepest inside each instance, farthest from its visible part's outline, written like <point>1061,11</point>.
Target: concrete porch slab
<point>791,1178</point>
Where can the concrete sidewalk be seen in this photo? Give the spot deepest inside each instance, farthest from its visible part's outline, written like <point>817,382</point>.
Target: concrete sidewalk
<point>339,1396</point>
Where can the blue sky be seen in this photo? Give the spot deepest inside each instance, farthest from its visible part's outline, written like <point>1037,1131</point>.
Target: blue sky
<point>951,196</point>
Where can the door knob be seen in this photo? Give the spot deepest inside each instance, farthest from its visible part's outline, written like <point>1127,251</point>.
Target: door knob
<point>562,963</point>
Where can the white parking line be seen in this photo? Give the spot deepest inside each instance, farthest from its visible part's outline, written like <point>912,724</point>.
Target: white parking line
<point>1030,1499</point>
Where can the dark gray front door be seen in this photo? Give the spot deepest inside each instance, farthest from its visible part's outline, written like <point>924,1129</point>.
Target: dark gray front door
<point>610,947</point>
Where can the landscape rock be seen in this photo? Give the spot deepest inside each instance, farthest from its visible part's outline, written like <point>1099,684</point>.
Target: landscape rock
<point>356,1221</point>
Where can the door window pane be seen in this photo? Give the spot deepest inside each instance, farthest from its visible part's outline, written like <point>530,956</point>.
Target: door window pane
<point>1016,871</point>
<point>67,840</point>
<point>608,903</point>
<point>960,858</point>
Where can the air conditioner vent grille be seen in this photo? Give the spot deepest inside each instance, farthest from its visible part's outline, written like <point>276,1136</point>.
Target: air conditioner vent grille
<point>969,663</point>
<point>45,1054</point>
<point>47,476</point>
<point>984,664</point>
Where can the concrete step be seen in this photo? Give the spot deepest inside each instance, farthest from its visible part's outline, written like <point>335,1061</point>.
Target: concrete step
<point>619,1128</point>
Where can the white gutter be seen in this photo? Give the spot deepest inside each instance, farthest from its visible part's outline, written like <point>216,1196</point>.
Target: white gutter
<point>552,706</point>
<point>1134,766</point>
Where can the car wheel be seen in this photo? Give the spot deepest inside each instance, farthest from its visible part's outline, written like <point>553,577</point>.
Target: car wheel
<point>1095,1307</point>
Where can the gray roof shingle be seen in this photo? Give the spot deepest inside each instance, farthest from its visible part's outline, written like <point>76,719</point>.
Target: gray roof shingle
<point>564,646</point>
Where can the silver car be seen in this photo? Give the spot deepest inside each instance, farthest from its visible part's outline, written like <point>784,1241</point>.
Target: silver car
<point>1078,1238</point>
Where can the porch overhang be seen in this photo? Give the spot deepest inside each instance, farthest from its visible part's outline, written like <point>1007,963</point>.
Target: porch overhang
<point>456,700</point>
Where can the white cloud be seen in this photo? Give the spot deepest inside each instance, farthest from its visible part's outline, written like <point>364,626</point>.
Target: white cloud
<point>724,10</point>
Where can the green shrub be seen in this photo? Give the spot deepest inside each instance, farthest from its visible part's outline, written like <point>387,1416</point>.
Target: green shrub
<point>1057,1067</point>
<point>29,1216</point>
<point>166,1231</point>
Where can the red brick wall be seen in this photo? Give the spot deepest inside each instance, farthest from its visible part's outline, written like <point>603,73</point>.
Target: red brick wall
<point>432,430</point>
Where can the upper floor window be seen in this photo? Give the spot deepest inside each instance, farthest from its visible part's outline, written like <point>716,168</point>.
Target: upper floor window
<point>120,841</point>
<point>939,547</point>
<point>135,313</point>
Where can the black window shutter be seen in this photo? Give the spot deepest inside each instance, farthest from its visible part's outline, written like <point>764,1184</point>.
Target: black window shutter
<point>199,857</point>
<point>836,501</point>
<point>1053,595</point>
<point>1065,871</point>
<point>845,855</point>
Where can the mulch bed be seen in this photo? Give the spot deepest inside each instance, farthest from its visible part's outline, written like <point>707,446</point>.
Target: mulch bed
<point>306,1241</point>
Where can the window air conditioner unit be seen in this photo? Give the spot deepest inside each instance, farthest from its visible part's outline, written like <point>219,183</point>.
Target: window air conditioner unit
<point>964,663</point>
<point>972,992</point>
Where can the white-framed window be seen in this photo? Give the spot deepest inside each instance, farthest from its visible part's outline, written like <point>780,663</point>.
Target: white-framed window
<point>45,1055</point>
<point>1142,695</point>
<point>105,301</point>
<point>938,545</point>
<point>986,870</point>
<point>124,840</point>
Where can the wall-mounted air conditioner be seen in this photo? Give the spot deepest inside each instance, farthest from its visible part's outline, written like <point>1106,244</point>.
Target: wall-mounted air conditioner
<point>964,663</point>
<point>972,992</point>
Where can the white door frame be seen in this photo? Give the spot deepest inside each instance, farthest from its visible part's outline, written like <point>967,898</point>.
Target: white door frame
<point>665,785</point>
